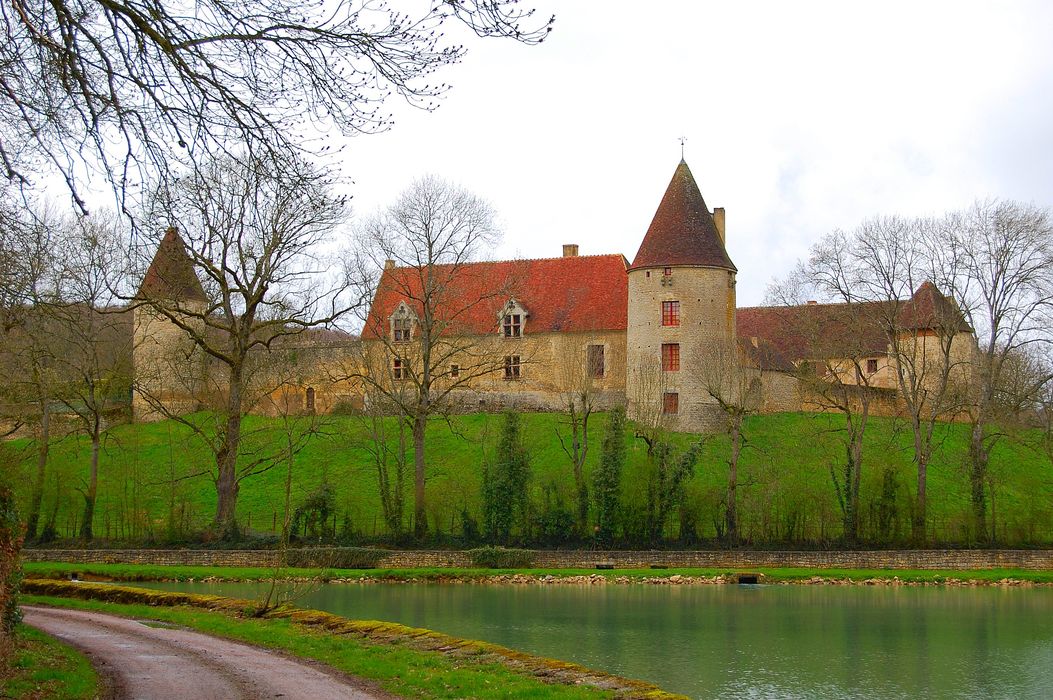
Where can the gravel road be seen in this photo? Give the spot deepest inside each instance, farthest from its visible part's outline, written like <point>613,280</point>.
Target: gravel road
<point>150,660</point>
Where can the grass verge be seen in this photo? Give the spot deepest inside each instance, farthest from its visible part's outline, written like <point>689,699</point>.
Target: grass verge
<point>43,667</point>
<point>403,660</point>
<point>140,572</point>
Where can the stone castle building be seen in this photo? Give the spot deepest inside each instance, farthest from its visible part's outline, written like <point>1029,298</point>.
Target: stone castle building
<point>662,334</point>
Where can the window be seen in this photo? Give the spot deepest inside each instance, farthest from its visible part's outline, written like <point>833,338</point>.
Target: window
<point>872,366</point>
<point>595,360</point>
<point>670,402</point>
<point>310,399</point>
<point>667,272</point>
<point>512,367</point>
<point>513,325</point>
<point>455,371</point>
<point>670,313</point>
<point>402,329</point>
<point>670,357</point>
<point>399,369</point>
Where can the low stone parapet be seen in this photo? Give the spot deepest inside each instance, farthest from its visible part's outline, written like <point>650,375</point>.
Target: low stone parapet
<point>952,559</point>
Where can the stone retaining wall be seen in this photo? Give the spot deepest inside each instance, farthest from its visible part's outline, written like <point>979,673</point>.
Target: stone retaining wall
<point>578,559</point>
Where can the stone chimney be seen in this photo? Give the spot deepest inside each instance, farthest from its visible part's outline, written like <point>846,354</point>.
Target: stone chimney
<point>570,250</point>
<point>389,264</point>
<point>718,219</point>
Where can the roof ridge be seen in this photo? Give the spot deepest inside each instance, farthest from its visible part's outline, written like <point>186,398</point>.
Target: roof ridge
<point>515,260</point>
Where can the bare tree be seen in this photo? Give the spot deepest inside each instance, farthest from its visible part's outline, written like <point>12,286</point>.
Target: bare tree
<point>733,380</point>
<point>94,337</point>
<point>845,365</point>
<point>422,344</point>
<point>1005,283</point>
<point>27,353</point>
<point>254,230</point>
<point>130,88</point>
<point>580,371</point>
<point>895,263</point>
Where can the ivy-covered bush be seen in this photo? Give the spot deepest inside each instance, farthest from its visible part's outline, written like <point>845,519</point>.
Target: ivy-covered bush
<point>501,558</point>
<point>11,534</point>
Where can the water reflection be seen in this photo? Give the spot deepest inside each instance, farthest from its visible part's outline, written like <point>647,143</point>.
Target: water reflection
<point>742,641</point>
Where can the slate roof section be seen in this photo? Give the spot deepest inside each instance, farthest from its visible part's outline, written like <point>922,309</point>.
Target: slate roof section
<point>571,294</point>
<point>171,274</point>
<point>682,231</point>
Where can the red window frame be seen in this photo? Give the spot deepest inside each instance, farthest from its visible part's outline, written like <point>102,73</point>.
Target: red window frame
<point>670,313</point>
<point>670,403</point>
<point>670,357</point>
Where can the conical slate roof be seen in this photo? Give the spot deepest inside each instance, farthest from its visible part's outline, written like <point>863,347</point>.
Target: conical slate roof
<point>171,274</point>
<point>683,231</point>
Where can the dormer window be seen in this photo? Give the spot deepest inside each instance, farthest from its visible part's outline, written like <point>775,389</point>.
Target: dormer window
<point>513,326</point>
<point>513,319</point>
<point>402,323</point>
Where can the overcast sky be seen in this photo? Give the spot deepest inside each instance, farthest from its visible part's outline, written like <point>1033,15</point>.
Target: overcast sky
<point>800,117</point>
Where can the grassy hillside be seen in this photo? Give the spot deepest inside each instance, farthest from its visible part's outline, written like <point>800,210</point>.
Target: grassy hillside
<point>154,479</point>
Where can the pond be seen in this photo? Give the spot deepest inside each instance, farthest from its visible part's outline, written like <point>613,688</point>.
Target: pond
<point>740,641</point>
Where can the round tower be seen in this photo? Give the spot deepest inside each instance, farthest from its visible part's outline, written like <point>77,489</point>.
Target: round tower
<point>681,310</point>
<point>165,366</point>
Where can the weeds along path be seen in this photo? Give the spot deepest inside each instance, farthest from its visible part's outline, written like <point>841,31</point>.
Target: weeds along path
<point>144,659</point>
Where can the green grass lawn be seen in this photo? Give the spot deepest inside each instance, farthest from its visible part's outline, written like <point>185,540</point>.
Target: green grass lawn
<point>43,667</point>
<point>154,478</point>
<point>139,572</point>
<point>397,667</point>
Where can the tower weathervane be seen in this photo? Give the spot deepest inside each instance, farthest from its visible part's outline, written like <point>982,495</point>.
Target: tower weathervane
<point>682,140</point>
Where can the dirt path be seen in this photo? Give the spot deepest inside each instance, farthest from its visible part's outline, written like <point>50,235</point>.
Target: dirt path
<point>147,660</point>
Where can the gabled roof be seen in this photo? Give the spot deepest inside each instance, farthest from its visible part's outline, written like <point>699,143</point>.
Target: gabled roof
<point>683,231</point>
<point>586,293</point>
<point>171,274</point>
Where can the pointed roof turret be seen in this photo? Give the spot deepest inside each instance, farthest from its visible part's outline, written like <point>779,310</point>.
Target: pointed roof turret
<point>171,273</point>
<point>683,231</point>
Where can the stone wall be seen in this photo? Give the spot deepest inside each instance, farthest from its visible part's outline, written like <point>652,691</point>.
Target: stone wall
<point>577,559</point>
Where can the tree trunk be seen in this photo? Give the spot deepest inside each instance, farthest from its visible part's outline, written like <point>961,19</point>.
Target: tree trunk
<point>978,476</point>
<point>37,493</point>
<point>733,478</point>
<point>420,515</point>
<point>227,462</point>
<point>918,527</point>
<point>86,533</point>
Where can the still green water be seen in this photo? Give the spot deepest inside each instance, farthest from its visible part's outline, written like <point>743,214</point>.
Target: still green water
<point>740,641</point>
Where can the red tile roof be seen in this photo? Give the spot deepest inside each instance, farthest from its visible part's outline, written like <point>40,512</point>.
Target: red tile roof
<point>930,308</point>
<point>586,293</point>
<point>815,330</point>
<point>171,273</point>
<point>683,231</point>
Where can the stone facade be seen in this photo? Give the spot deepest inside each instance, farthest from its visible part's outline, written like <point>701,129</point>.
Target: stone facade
<point>658,325</point>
